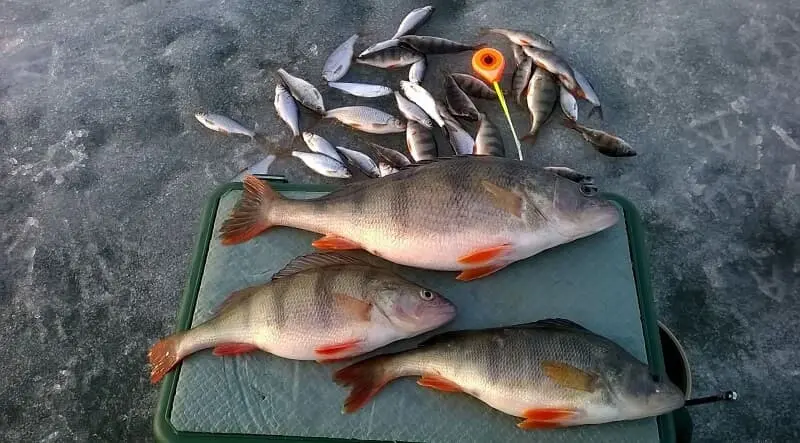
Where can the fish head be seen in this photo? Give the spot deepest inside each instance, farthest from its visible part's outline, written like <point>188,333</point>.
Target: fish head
<point>411,308</point>
<point>637,394</point>
<point>398,124</point>
<point>577,210</point>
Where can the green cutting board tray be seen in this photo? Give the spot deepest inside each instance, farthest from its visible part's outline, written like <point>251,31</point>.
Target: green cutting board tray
<point>599,281</point>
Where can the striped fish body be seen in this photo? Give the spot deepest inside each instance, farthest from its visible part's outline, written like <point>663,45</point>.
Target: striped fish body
<point>541,98</point>
<point>550,375</point>
<point>333,311</point>
<point>474,214</point>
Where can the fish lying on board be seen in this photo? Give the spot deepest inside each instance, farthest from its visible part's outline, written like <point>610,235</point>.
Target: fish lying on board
<point>552,373</point>
<point>324,306</point>
<point>474,214</point>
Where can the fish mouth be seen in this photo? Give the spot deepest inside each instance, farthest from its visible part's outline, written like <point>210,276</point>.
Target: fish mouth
<point>445,313</point>
<point>602,216</point>
<point>426,318</point>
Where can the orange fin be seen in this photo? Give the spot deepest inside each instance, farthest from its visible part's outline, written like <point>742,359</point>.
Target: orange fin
<point>546,418</point>
<point>568,376</point>
<point>225,349</point>
<point>366,377</point>
<point>476,273</point>
<point>439,383</point>
<point>484,255</point>
<point>358,309</point>
<point>163,357</point>
<point>334,242</point>
<point>339,348</point>
<point>503,198</point>
<point>249,217</point>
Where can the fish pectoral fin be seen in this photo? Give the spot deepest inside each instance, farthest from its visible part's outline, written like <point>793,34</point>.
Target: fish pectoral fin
<point>568,376</point>
<point>353,307</point>
<point>439,383</point>
<point>334,243</point>
<point>503,198</point>
<point>226,349</point>
<point>541,418</point>
<point>485,255</point>
<point>476,273</point>
<point>338,350</point>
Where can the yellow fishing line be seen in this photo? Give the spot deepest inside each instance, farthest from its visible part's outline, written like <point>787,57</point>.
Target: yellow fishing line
<point>508,117</point>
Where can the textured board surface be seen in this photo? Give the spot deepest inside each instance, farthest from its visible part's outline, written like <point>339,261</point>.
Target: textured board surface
<point>589,281</point>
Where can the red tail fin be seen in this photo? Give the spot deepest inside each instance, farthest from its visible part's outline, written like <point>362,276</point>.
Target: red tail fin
<point>366,378</point>
<point>163,357</point>
<point>529,137</point>
<point>249,218</point>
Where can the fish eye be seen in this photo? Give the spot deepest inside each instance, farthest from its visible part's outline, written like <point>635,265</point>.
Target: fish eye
<point>588,189</point>
<point>426,295</point>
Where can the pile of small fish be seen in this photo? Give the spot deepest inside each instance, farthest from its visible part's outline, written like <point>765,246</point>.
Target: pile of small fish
<point>474,213</point>
<point>540,79</point>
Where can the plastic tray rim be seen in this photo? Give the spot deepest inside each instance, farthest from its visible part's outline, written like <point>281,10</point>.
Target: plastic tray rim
<point>165,432</point>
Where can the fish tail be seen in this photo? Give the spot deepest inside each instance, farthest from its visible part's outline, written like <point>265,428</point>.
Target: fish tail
<point>599,110</point>
<point>366,378</point>
<point>250,216</point>
<point>569,123</point>
<point>530,137</point>
<point>163,357</point>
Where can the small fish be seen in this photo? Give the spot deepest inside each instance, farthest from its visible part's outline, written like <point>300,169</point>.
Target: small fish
<point>541,98</point>
<point>286,108</point>
<point>460,140</point>
<point>222,124</point>
<point>437,45</point>
<point>362,89</point>
<point>591,96</point>
<point>420,142</point>
<point>411,111</point>
<point>521,78</point>
<point>338,62</point>
<point>413,20</point>
<point>556,66</point>
<point>322,164</point>
<point>387,169</point>
<point>570,174</point>
<point>390,156</point>
<point>361,161</point>
<point>473,86</point>
<point>367,119</point>
<point>417,71</point>
<point>425,216</point>
<point>551,373</point>
<point>488,141</point>
<point>522,38</point>
<point>605,143</point>
<point>391,57</point>
<point>321,146</point>
<point>458,102</point>
<point>319,307</point>
<point>519,54</point>
<point>569,106</point>
<point>380,46</point>
<point>419,95</point>
<point>304,92</point>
